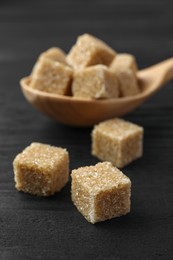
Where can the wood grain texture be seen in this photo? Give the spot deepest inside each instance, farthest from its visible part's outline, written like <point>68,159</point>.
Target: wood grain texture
<point>51,228</point>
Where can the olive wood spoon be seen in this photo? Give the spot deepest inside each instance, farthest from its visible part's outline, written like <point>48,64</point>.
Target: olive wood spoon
<point>84,112</point>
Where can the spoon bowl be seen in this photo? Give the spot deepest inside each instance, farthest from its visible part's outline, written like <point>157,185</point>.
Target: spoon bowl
<point>84,112</point>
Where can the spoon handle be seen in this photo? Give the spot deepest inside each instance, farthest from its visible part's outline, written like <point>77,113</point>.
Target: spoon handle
<point>165,69</point>
<point>162,71</point>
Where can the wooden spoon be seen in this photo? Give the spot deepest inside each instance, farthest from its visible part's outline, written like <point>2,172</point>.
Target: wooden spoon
<point>82,112</point>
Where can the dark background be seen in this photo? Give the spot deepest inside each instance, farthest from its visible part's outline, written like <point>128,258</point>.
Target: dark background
<point>52,228</point>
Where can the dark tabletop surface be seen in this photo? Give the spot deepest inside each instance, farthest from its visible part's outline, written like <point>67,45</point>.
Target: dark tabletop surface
<point>52,228</point>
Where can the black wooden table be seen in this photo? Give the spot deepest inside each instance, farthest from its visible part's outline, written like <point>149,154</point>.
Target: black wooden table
<point>52,228</point>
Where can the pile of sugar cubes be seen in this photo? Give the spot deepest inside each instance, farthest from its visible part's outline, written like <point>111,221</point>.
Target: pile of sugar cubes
<point>91,70</point>
<point>100,192</point>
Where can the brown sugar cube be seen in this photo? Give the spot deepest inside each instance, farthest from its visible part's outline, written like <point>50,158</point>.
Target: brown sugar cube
<point>125,67</point>
<point>51,77</point>
<point>117,141</point>
<point>125,60</point>
<point>95,82</point>
<point>88,51</point>
<point>41,169</point>
<point>55,54</point>
<point>101,192</point>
